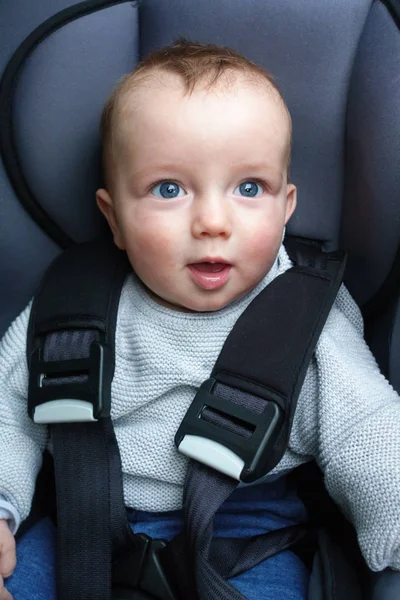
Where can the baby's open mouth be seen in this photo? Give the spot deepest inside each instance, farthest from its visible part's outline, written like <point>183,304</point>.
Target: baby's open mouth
<point>210,275</point>
<point>208,267</point>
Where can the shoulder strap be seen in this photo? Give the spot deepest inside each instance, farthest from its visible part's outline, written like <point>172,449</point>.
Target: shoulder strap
<point>240,420</point>
<point>248,404</point>
<point>79,293</point>
<point>80,289</point>
<point>71,356</point>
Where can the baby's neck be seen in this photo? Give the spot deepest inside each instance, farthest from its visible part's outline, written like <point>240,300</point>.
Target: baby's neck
<point>165,303</point>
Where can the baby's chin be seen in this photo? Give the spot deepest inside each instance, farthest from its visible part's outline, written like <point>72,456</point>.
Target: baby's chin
<point>207,302</point>
<point>194,304</point>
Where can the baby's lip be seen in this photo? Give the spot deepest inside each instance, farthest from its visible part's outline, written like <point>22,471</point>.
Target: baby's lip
<point>211,259</point>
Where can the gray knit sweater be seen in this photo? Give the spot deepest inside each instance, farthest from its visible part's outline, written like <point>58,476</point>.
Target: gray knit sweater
<point>348,416</point>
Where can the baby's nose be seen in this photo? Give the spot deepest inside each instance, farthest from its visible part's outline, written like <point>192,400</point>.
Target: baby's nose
<point>212,218</point>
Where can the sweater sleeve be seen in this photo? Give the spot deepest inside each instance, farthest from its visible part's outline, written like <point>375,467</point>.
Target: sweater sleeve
<point>352,428</point>
<point>22,442</point>
<point>9,513</point>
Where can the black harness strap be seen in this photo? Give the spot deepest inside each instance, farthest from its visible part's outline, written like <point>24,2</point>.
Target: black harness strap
<point>201,565</point>
<point>83,534</point>
<point>71,357</point>
<point>246,407</point>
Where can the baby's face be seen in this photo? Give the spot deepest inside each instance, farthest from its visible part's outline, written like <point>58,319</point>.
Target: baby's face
<point>201,195</point>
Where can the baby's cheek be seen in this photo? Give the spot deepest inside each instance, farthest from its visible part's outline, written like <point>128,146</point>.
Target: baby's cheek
<point>262,247</point>
<point>153,253</point>
<point>147,235</point>
<point>155,245</point>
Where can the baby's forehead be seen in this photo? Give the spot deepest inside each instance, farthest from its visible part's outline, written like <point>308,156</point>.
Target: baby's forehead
<point>163,83</point>
<point>136,102</point>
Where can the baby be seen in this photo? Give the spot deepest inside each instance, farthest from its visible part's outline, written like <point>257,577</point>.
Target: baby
<point>196,149</point>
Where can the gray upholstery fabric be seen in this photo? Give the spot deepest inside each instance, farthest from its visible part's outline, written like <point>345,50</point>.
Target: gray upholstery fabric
<point>371,207</point>
<point>394,360</point>
<point>24,248</point>
<point>386,586</point>
<point>59,102</point>
<point>315,587</point>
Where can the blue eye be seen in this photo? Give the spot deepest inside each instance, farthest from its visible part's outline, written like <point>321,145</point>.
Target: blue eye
<point>167,189</point>
<point>249,189</point>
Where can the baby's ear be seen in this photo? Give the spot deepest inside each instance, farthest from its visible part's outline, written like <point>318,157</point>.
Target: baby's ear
<point>291,200</point>
<point>106,205</point>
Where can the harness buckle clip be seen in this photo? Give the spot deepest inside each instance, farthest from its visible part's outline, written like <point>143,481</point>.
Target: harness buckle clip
<point>141,570</point>
<point>219,444</point>
<point>70,391</point>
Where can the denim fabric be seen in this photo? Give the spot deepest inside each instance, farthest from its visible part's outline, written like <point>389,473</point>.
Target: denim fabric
<point>249,511</point>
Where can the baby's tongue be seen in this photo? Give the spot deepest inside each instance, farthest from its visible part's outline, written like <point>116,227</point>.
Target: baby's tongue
<point>209,267</point>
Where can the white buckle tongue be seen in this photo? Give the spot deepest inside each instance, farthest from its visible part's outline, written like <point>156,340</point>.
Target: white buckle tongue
<point>212,454</point>
<point>64,411</point>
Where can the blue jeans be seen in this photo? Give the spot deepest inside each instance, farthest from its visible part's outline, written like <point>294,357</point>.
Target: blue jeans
<point>249,511</point>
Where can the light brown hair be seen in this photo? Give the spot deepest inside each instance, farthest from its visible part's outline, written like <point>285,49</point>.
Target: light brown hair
<point>195,63</point>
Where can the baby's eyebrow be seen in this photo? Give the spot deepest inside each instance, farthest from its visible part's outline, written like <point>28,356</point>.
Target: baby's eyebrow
<point>150,170</point>
<point>258,168</point>
<point>246,169</point>
<point>254,165</point>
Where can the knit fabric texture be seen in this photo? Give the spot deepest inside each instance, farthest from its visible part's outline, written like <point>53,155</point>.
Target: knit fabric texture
<point>347,417</point>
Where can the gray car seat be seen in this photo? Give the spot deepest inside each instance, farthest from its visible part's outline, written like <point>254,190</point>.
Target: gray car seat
<point>337,64</point>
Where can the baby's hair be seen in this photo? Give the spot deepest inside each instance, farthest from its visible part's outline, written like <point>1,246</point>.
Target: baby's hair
<point>195,63</point>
